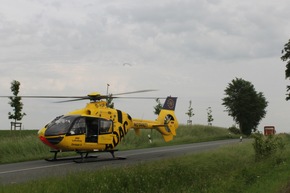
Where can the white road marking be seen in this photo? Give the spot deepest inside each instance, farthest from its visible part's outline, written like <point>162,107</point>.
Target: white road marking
<point>35,168</point>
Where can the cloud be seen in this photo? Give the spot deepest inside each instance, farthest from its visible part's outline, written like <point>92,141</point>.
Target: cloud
<point>189,49</point>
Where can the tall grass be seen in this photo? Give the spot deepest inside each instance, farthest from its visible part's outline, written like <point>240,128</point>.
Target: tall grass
<point>21,146</point>
<point>229,169</point>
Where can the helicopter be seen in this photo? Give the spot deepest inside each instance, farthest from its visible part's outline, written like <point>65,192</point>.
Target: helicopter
<point>99,128</point>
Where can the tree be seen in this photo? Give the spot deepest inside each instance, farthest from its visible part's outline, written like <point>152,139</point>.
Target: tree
<point>245,105</point>
<point>209,116</point>
<point>15,103</point>
<point>158,107</point>
<point>190,112</point>
<point>286,58</point>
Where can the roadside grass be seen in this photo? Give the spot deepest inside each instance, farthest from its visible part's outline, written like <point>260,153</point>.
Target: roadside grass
<point>16,146</point>
<point>232,168</point>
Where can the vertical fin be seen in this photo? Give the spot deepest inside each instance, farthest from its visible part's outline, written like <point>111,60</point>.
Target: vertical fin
<point>170,103</point>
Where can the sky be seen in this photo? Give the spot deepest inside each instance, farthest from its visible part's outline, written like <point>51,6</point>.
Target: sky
<point>191,49</point>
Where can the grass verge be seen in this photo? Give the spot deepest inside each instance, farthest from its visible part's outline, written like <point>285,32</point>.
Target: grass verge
<point>232,168</point>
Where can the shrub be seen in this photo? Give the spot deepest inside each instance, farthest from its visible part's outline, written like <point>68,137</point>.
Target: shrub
<point>267,146</point>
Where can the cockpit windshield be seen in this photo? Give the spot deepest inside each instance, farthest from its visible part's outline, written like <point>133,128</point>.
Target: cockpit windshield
<point>60,125</point>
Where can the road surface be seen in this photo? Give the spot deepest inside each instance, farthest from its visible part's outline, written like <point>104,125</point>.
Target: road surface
<point>33,170</point>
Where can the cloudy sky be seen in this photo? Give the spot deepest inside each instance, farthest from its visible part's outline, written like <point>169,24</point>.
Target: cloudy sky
<point>191,49</point>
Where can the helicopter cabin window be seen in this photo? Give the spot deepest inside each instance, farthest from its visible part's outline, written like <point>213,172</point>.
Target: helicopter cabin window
<point>79,126</point>
<point>105,126</point>
<point>95,127</point>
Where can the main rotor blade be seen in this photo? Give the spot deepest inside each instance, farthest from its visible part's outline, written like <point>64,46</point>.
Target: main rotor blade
<point>140,97</point>
<point>80,99</point>
<point>133,92</point>
<point>56,97</point>
<point>90,97</point>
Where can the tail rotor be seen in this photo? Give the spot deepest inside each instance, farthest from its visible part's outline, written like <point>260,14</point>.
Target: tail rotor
<point>168,119</point>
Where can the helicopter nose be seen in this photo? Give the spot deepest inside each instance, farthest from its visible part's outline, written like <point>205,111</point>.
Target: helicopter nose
<point>46,142</point>
<point>51,141</point>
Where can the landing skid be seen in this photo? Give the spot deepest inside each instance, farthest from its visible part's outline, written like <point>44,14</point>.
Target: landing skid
<point>84,157</point>
<point>90,159</point>
<point>55,158</point>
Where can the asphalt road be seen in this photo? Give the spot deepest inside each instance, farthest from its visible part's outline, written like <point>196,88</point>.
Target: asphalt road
<point>33,170</point>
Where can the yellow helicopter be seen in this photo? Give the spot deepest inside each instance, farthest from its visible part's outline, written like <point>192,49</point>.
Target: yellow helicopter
<point>98,128</point>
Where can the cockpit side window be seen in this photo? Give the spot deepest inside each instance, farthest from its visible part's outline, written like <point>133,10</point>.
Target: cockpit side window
<point>79,127</point>
<point>105,126</point>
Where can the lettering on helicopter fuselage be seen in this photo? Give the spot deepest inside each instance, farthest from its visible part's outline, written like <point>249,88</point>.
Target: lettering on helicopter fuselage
<point>98,105</point>
<point>140,125</point>
<point>119,136</point>
<point>77,139</point>
<point>76,142</point>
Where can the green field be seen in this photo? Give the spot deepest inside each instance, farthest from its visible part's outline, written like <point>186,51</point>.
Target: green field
<point>232,168</point>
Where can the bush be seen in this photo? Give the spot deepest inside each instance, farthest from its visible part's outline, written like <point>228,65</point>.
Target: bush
<point>233,129</point>
<point>267,146</point>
